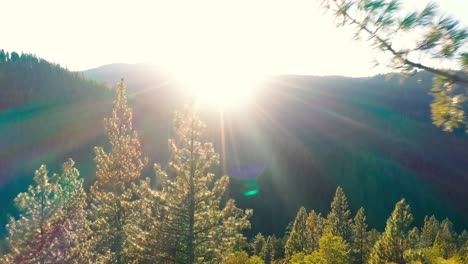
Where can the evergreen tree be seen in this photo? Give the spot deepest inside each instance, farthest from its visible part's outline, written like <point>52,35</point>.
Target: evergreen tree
<point>339,219</point>
<point>196,226</point>
<point>374,236</point>
<point>52,227</point>
<point>111,193</point>
<point>3,57</point>
<point>428,232</point>
<point>267,250</point>
<point>315,224</point>
<point>298,240</point>
<point>360,246</point>
<point>444,243</point>
<point>143,237</point>
<point>257,244</point>
<point>75,225</point>
<point>395,240</point>
<point>462,239</point>
<point>277,248</point>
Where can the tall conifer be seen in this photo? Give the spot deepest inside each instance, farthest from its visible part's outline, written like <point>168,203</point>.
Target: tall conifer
<point>117,169</point>
<point>257,244</point>
<point>360,246</point>
<point>298,240</point>
<point>428,232</point>
<point>198,225</point>
<point>396,238</point>
<point>315,224</point>
<point>339,219</point>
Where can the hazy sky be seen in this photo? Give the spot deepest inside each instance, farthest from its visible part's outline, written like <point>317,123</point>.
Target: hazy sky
<point>290,36</point>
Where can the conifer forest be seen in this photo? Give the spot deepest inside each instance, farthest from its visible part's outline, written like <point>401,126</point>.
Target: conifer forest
<point>209,163</point>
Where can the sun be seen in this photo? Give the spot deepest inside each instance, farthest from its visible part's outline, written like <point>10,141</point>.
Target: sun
<point>223,88</point>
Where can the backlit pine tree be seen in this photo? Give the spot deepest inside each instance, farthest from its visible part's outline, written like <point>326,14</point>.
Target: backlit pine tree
<point>143,239</point>
<point>445,243</point>
<point>360,247</point>
<point>267,250</point>
<point>298,240</point>
<point>428,232</point>
<point>277,248</point>
<point>112,192</point>
<point>396,238</point>
<point>197,226</point>
<point>257,244</point>
<point>52,226</point>
<point>315,224</point>
<point>339,219</point>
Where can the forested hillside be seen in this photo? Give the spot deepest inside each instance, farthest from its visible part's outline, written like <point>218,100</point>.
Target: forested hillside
<point>364,134</point>
<point>47,114</point>
<point>308,134</point>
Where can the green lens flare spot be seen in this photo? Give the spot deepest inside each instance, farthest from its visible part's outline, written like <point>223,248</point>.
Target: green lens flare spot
<point>251,192</point>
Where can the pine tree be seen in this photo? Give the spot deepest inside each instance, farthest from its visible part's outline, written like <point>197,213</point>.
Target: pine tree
<point>111,193</point>
<point>143,237</point>
<point>277,248</point>
<point>267,251</point>
<point>52,227</point>
<point>75,225</point>
<point>339,219</point>
<point>444,243</point>
<point>395,240</point>
<point>428,232</point>
<point>462,239</point>
<point>197,226</point>
<point>298,240</point>
<point>360,246</point>
<point>257,244</point>
<point>315,224</point>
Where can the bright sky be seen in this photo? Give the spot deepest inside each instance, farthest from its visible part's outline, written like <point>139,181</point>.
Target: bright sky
<point>267,36</point>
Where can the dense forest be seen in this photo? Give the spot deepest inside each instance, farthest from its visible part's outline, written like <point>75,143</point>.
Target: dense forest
<point>123,210</point>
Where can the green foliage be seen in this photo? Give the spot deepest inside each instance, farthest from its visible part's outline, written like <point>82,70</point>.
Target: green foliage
<point>316,225</point>
<point>257,244</point>
<point>360,247</point>
<point>339,219</point>
<point>112,193</point>
<point>429,232</point>
<point>333,250</point>
<point>396,239</point>
<point>52,226</point>
<point>143,240</point>
<point>277,248</point>
<point>445,243</point>
<point>440,39</point>
<point>302,258</point>
<point>298,240</point>
<point>448,108</point>
<point>197,226</point>
<point>242,258</point>
<point>267,251</point>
